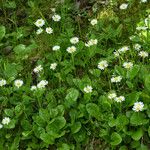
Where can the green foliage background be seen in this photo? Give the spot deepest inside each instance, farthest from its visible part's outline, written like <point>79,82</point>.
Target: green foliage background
<point>63,116</point>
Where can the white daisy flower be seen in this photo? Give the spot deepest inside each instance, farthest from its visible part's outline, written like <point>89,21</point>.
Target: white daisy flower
<point>102,65</point>
<point>49,30</point>
<point>74,40</point>
<point>53,66</point>
<point>93,22</point>
<point>6,121</point>
<point>143,54</point>
<point>42,84</point>
<point>142,28</point>
<point>123,49</point>
<point>88,89</point>
<point>71,49</point>
<point>33,87</point>
<point>56,18</point>
<point>132,37</point>
<point>119,99</point>
<point>123,6</point>
<point>1,126</point>
<point>137,46</point>
<point>3,82</point>
<point>53,9</point>
<point>116,53</point>
<point>18,83</point>
<point>91,42</point>
<point>143,1</point>
<point>138,106</point>
<point>112,95</point>
<point>38,69</point>
<point>56,48</point>
<point>128,65</point>
<point>116,79</point>
<point>39,23</point>
<point>39,31</point>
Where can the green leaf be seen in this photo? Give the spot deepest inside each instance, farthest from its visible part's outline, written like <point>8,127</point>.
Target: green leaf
<point>20,49</point>
<point>149,131</point>
<point>53,113</point>
<point>10,4</point>
<point>26,125</point>
<point>64,146</point>
<point>71,97</point>
<point>93,110</point>
<point>76,127</point>
<point>132,98</point>
<point>95,72</point>
<point>15,144</point>
<point>132,73</point>
<point>120,71</point>
<point>47,138</point>
<point>137,134</point>
<point>2,32</point>
<point>138,119</point>
<point>11,69</point>
<point>56,124</point>
<point>147,82</point>
<point>122,120</point>
<point>123,148</point>
<point>143,147</point>
<point>80,136</point>
<point>44,114</point>
<point>9,112</point>
<point>11,125</point>
<point>115,139</point>
<point>112,122</point>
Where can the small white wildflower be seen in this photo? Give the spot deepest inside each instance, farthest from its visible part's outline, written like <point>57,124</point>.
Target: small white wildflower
<point>74,40</point>
<point>88,89</point>
<point>56,48</point>
<point>42,84</point>
<point>132,37</point>
<point>143,1</point>
<point>18,83</point>
<point>38,69</point>
<point>3,82</point>
<point>1,126</point>
<point>49,30</point>
<point>102,65</point>
<point>123,49</point>
<point>56,18</point>
<point>53,66</point>
<point>91,42</point>
<point>93,22</point>
<point>119,99</point>
<point>33,87</point>
<point>146,21</point>
<point>6,121</point>
<point>123,6</point>
<point>137,46</point>
<point>39,23</point>
<point>112,95</point>
<point>39,31</point>
<point>128,65</point>
<point>116,79</point>
<point>71,49</point>
<point>143,54</point>
<point>138,106</point>
<point>142,28</point>
<point>116,53</point>
<point>53,9</point>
